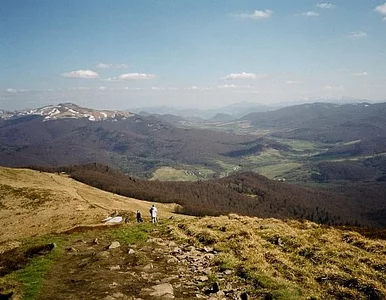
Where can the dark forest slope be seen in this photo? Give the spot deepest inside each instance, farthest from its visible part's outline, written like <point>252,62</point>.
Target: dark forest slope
<point>244,193</point>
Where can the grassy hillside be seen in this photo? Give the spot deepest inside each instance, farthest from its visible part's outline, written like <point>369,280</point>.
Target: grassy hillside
<point>37,203</point>
<point>291,259</point>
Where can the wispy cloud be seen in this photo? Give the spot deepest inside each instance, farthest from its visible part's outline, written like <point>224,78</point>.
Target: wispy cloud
<point>310,14</point>
<point>134,76</point>
<point>325,5</point>
<point>382,10</point>
<point>333,87</point>
<point>87,74</point>
<point>357,35</point>
<point>112,66</point>
<point>244,75</point>
<point>256,15</point>
<point>360,74</point>
<point>293,82</point>
<point>227,86</point>
<point>79,88</point>
<point>11,90</point>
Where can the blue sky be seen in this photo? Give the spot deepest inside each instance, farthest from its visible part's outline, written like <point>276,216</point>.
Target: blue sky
<point>201,53</point>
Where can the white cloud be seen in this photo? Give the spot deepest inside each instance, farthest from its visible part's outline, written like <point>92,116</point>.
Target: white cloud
<point>360,74</point>
<point>326,5</point>
<point>102,88</point>
<point>357,34</point>
<point>256,15</point>
<point>133,76</point>
<point>88,74</point>
<point>381,9</point>
<point>193,88</point>
<point>333,87</point>
<point>310,14</point>
<point>227,86</point>
<point>293,82</point>
<point>111,66</point>
<point>11,90</point>
<point>244,75</point>
<point>157,88</point>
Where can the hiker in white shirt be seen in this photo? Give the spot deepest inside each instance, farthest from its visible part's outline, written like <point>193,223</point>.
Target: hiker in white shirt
<point>153,214</point>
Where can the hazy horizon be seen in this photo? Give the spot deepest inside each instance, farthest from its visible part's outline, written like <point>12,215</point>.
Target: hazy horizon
<point>193,54</point>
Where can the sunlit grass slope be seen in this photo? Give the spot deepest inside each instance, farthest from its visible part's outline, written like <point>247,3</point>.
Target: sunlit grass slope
<point>293,259</point>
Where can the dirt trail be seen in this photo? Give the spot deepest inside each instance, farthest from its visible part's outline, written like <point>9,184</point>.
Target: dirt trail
<point>155,269</point>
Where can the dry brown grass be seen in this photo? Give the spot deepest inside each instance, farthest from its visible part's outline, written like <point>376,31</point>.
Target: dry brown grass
<point>293,259</point>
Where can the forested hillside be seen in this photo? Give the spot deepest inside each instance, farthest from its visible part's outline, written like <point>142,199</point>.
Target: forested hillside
<point>243,193</point>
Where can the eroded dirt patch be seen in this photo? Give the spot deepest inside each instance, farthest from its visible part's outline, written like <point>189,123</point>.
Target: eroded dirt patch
<point>96,267</point>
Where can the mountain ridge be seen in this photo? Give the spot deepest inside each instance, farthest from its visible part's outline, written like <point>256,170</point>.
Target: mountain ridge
<point>67,110</point>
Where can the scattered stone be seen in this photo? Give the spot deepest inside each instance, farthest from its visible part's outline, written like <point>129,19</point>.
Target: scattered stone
<point>115,268</point>
<point>168,279</point>
<point>228,272</point>
<point>119,295</point>
<point>220,294</point>
<point>164,290</point>
<point>208,249</point>
<point>209,256</point>
<point>83,264</point>
<point>202,278</point>
<point>102,255</point>
<point>114,245</point>
<point>71,249</point>
<point>81,241</point>
<point>95,241</point>
<point>172,260</point>
<point>108,297</point>
<point>148,267</point>
<point>190,248</point>
<point>131,251</point>
<point>172,244</point>
<point>176,250</point>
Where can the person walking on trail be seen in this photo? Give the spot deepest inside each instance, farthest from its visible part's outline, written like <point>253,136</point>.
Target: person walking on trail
<point>153,214</point>
<point>139,217</point>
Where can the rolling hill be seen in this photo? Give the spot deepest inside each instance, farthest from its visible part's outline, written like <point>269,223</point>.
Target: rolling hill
<point>36,203</point>
<point>324,122</point>
<point>68,134</point>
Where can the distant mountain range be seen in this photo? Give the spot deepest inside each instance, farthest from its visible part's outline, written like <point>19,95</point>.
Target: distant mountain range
<point>68,134</point>
<point>236,110</point>
<point>359,127</point>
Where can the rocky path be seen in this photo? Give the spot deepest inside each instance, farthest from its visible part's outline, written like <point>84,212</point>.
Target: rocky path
<point>101,268</point>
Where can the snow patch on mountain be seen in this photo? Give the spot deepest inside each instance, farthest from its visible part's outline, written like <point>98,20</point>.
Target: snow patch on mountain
<point>68,111</point>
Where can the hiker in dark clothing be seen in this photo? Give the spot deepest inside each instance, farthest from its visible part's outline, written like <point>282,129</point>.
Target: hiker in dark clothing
<point>139,217</point>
